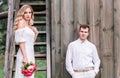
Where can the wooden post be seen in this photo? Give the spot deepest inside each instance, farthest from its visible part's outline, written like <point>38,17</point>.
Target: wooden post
<point>9,44</point>
<point>56,38</point>
<point>117,37</point>
<point>106,39</point>
<point>66,31</point>
<point>48,39</point>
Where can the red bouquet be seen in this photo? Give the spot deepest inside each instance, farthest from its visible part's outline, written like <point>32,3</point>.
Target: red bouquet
<point>28,69</point>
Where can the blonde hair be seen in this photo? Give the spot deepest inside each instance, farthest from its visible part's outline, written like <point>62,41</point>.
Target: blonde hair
<point>20,14</point>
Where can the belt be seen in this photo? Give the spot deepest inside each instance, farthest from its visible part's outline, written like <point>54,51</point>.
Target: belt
<point>85,70</point>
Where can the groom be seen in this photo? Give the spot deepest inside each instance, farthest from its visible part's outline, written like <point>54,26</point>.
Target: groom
<point>82,60</point>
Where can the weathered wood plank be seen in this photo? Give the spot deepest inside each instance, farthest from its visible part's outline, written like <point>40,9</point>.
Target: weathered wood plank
<point>80,14</point>
<point>33,3</point>
<point>107,70</point>
<point>117,37</point>
<point>9,44</point>
<point>106,39</point>
<point>48,38</point>
<point>17,2</point>
<point>66,31</point>
<point>56,38</point>
<point>94,22</point>
<point>3,14</point>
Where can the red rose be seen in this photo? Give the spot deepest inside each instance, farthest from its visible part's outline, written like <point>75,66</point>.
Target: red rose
<point>28,69</point>
<point>28,74</point>
<point>23,71</point>
<point>34,67</point>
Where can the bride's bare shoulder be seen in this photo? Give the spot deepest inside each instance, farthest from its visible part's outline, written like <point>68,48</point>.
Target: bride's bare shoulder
<point>21,24</point>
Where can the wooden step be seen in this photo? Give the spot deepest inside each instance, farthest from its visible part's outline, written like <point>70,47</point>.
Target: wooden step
<point>40,22</point>
<point>42,69</point>
<point>5,14</point>
<point>37,6</point>
<point>43,13</point>
<point>40,55</point>
<point>40,43</point>
<point>38,69</point>
<point>37,3</point>
<point>37,43</point>
<point>41,32</point>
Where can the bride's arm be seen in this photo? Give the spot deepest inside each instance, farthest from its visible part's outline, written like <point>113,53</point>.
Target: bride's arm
<point>22,48</point>
<point>35,31</point>
<point>22,44</point>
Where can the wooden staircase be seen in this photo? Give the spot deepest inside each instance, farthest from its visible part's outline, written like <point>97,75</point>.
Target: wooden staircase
<point>42,44</point>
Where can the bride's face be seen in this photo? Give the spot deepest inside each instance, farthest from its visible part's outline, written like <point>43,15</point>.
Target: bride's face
<point>27,14</point>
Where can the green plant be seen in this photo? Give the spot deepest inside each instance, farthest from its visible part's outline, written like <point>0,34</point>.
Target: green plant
<point>3,27</point>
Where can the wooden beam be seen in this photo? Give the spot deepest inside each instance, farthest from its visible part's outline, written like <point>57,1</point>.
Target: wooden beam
<point>38,69</point>
<point>3,15</point>
<point>80,14</point>
<point>56,38</point>
<point>67,25</point>
<point>33,3</point>
<point>106,39</point>
<point>17,3</point>
<point>94,21</point>
<point>117,37</point>
<point>48,38</point>
<point>9,52</point>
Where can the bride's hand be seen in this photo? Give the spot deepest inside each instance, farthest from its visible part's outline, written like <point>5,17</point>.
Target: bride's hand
<point>25,60</point>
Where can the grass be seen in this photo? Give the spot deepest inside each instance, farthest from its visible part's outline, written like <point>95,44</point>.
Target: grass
<point>1,66</point>
<point>38,74</point>
<point>1,72</point>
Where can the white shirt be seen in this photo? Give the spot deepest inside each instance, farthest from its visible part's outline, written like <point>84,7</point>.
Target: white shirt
<point>81,55</point>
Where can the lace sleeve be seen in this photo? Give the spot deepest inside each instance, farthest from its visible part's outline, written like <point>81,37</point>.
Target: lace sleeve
<point>19,36</point>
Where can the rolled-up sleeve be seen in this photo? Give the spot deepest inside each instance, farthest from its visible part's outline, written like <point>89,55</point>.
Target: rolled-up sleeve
<point>96,60</point>
<point>69,60</point>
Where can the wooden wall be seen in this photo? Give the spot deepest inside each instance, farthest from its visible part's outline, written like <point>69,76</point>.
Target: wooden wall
<point>103,16</point>
<point>117,37</point>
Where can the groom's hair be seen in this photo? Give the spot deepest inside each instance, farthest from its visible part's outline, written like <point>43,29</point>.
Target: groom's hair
<point>84,27</point>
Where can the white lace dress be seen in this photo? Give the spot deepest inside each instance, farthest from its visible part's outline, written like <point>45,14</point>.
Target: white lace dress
<point>25,35</point>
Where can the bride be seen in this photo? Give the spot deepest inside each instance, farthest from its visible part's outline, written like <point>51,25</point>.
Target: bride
<point>25,36</point>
